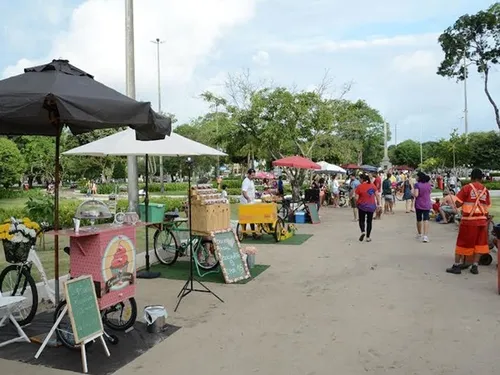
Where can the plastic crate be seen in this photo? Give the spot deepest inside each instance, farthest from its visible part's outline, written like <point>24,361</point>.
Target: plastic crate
<point>300,217</point>
<point>156,212</point>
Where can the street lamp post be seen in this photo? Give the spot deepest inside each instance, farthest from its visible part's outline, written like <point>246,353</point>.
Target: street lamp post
<point>157,41</point>
<point>133,188</point>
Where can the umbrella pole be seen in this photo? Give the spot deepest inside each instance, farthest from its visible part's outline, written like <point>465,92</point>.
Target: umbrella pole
<point>147,274</point>
<point>57,178</point>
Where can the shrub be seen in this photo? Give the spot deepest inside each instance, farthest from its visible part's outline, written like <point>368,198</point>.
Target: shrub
<point>490,185</point>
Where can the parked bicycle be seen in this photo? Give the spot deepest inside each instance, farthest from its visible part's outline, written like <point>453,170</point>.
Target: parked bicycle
<point>16,279</point>
<point>287,208</point>
<point>169,246</point>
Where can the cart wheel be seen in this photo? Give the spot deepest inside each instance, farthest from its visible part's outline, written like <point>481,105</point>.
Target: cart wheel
<point>278,228</point>
<point>485,260</point>
<point>113,339</point>
<point>239,232</point>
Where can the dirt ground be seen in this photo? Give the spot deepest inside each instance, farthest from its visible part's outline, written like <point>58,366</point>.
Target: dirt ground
<point>333,306</point>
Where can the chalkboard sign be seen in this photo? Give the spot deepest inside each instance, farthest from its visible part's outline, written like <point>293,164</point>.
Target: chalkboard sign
<point>83,308</point>
<point>227,248</point>
<point>312,208</point>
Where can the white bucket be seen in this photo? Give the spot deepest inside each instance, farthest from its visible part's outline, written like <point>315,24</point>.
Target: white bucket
<point>155,317</point>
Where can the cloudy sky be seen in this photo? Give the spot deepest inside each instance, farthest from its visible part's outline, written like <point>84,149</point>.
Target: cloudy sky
<point>387,48</point>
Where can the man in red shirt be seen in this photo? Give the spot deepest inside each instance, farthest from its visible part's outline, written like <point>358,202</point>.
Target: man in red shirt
<point>472,238</point>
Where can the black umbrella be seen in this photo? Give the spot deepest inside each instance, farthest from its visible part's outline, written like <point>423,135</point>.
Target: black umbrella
<point>45,98</point>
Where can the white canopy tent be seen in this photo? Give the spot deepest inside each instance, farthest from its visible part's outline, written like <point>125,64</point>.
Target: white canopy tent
<point>124,144</point>
<point>331,168</point>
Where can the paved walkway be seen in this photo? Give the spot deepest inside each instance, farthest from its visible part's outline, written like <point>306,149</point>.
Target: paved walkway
<point>334,306</point>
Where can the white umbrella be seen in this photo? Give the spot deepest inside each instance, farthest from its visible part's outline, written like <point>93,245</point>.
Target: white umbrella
<point>327,167</point>
<point>124,144</point>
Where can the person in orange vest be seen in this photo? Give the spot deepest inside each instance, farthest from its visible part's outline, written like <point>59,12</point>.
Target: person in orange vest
<point>472,238</point>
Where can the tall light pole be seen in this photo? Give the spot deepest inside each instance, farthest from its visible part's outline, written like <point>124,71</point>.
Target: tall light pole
<point>466,111</point>
<point>133,188</point>
<point>421,148</point>
<point>158,42</point>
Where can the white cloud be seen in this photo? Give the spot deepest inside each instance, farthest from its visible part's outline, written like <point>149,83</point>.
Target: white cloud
<point>417,61</point>
<point>388,49</point>
<point>261,58</point>
<point>191,29</point>
<point>325,45</point>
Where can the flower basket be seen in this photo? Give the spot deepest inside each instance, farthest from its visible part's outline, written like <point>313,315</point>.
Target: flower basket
<point>16,252</point>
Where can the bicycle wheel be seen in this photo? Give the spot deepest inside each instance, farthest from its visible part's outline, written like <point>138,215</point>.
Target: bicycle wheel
<point>279,226</point>
<point>204,255</point>
<point>283,211</point>
<point>121,316</point>
<point>239,232</point>
<point>166,246</point>
<point>64,330</point>
<point>16,280</point>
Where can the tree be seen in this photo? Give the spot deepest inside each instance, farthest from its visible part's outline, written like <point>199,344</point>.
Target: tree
<point>120,170</point>
<point>406,153</point>
<point>39,154</point>
<point>12,163</point>
<point>475,39</point>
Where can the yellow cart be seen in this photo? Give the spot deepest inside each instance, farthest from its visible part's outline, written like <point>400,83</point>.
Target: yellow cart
<point>265,218</point>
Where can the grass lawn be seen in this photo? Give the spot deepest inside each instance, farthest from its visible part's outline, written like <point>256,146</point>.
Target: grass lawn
<point>46,252</point>
<point>12,203</point>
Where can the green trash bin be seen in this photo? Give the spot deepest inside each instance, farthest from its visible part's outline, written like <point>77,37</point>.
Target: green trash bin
<point>156,212</point>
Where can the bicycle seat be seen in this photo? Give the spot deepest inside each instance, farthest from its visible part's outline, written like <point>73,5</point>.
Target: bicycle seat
<point>170,216</point>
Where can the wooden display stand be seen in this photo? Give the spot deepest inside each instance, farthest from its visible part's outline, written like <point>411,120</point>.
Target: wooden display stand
<point>210,212</point>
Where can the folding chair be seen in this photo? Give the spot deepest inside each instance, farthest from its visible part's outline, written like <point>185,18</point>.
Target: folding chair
<point>7,305</point>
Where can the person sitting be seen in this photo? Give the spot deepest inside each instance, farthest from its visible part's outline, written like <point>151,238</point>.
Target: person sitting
<point>448,208</point>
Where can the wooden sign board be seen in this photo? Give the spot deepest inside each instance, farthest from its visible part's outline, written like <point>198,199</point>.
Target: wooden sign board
<point>228,252</point>
<point>83,308</point>
<point>312,209</point>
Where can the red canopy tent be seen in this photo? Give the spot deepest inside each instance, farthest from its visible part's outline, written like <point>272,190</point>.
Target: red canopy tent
<point>298,162</point>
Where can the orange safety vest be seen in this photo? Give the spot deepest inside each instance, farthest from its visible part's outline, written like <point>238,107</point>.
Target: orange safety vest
<point>475,210</point>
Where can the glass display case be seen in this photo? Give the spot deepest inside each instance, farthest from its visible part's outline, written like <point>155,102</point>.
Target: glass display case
<point>93,210</point>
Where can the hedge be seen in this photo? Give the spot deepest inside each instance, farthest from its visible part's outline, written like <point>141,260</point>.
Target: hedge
<point>68,207</point>
<point>490,185</point>
<point>18,193</point>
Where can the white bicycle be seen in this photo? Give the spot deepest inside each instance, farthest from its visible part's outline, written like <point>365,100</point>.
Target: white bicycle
<point>16,280</point>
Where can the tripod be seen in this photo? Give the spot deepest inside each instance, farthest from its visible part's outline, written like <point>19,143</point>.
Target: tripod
<point>189,285</point>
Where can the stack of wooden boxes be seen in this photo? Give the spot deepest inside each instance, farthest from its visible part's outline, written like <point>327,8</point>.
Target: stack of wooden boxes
<point>210,212</point>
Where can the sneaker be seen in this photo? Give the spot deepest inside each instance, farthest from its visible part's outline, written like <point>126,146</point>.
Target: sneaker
<point>425,239</point>
<point>455,269</point>
<point>474,269</point>
<point>362,237</point>
<point>368,239</point>
<point>418,237</point>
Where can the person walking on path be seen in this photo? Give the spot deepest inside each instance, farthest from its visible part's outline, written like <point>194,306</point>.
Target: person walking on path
<point>388,194</point>
<point>367,201</point>
<point>422,193</point>
<point>353,184</point>
<point>472,239</point>
<point>407,196</point>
